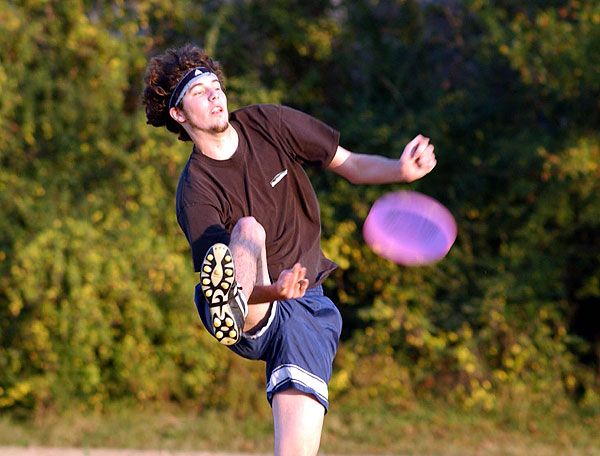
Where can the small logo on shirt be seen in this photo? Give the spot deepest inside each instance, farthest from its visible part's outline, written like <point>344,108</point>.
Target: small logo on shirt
<point>278,177</point>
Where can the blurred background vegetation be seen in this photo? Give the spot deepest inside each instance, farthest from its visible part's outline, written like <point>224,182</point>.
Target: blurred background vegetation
<point>96,280</point>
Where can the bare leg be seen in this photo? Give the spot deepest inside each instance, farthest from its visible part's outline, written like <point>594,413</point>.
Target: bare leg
<point>247,245</point>
<point>297,416</point>
<point>298,421</point>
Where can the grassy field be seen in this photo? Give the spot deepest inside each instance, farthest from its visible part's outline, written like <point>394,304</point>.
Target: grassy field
<point>424,429</point>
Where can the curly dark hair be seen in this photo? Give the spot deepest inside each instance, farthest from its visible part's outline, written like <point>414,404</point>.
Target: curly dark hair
<point>162,75</point>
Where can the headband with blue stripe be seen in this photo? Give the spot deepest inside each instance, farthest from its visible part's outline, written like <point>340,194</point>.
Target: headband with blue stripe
<point>185,82</point>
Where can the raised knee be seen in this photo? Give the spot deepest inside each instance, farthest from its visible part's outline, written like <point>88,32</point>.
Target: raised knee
<point>250,228</point>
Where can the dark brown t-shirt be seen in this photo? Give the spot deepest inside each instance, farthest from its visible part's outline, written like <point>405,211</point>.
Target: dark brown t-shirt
<point>265,179</point>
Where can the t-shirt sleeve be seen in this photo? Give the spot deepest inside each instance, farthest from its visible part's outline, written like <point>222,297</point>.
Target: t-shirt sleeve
<point>306,138</point>
<point>203,228</point>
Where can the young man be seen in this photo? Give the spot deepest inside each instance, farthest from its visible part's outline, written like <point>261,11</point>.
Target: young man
<point>252,220</point>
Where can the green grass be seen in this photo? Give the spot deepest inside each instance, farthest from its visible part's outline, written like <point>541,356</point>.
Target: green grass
<point>424,429</point>
<point>441,430</point>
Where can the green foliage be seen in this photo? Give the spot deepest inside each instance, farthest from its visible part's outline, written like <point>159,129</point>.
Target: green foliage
<point>96,282</point>
<point>505,315</point>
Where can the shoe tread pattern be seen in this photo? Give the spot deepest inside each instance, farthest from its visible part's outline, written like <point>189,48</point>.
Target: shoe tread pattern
<point>220,289</point>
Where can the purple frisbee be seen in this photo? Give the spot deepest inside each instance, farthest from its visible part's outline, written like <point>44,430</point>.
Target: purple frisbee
<point>409,228</point>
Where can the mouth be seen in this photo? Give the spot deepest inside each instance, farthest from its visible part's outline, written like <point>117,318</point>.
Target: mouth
<point>216,110</point>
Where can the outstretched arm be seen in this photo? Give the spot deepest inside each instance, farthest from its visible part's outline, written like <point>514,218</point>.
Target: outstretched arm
<point>416,161</point>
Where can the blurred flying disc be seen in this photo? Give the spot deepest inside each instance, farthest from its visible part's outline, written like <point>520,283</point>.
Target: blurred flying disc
<point>409,228</point>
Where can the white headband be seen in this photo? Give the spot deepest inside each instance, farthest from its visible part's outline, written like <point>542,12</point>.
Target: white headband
<point>185,82</point>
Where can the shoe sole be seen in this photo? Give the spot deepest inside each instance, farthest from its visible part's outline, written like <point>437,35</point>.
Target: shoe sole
<point>217,280</point>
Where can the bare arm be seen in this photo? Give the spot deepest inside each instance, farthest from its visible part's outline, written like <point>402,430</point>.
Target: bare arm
<point>416,161</point>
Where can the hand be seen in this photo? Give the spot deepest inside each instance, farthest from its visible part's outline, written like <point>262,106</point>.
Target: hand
<point>291,283</point>
<point>418,159</point>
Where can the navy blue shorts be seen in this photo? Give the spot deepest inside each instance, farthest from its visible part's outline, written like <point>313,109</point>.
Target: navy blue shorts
<point>298,343</point>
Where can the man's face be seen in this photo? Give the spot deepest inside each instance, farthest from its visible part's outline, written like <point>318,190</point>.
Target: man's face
<point>205,105</point>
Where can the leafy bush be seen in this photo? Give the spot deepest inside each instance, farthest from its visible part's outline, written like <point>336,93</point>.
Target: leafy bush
<point>95,278</point>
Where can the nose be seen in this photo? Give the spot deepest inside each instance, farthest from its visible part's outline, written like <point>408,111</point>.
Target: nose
<point>213,95</point>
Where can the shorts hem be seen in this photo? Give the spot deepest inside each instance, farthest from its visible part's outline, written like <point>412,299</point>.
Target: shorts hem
<point>292,376</point>
<point>300,387</point>
<point>265,328</point>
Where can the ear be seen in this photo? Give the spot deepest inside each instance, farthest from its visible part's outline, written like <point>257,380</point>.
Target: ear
<point>177,115</point>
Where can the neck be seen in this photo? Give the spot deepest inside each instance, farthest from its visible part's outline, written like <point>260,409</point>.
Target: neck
<point>218,146</point>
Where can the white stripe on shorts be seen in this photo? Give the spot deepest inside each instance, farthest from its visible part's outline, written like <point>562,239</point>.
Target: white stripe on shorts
<point>287,372</point>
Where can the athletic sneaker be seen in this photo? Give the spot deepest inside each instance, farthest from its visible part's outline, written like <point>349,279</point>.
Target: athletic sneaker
<point>227,304</point>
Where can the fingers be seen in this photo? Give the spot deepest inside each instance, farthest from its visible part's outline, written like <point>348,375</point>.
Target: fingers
<point>303,285</point>
<point>414,144</point>
<point>427,159</point>
<point>422,153</point>
<point>293,282</point>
